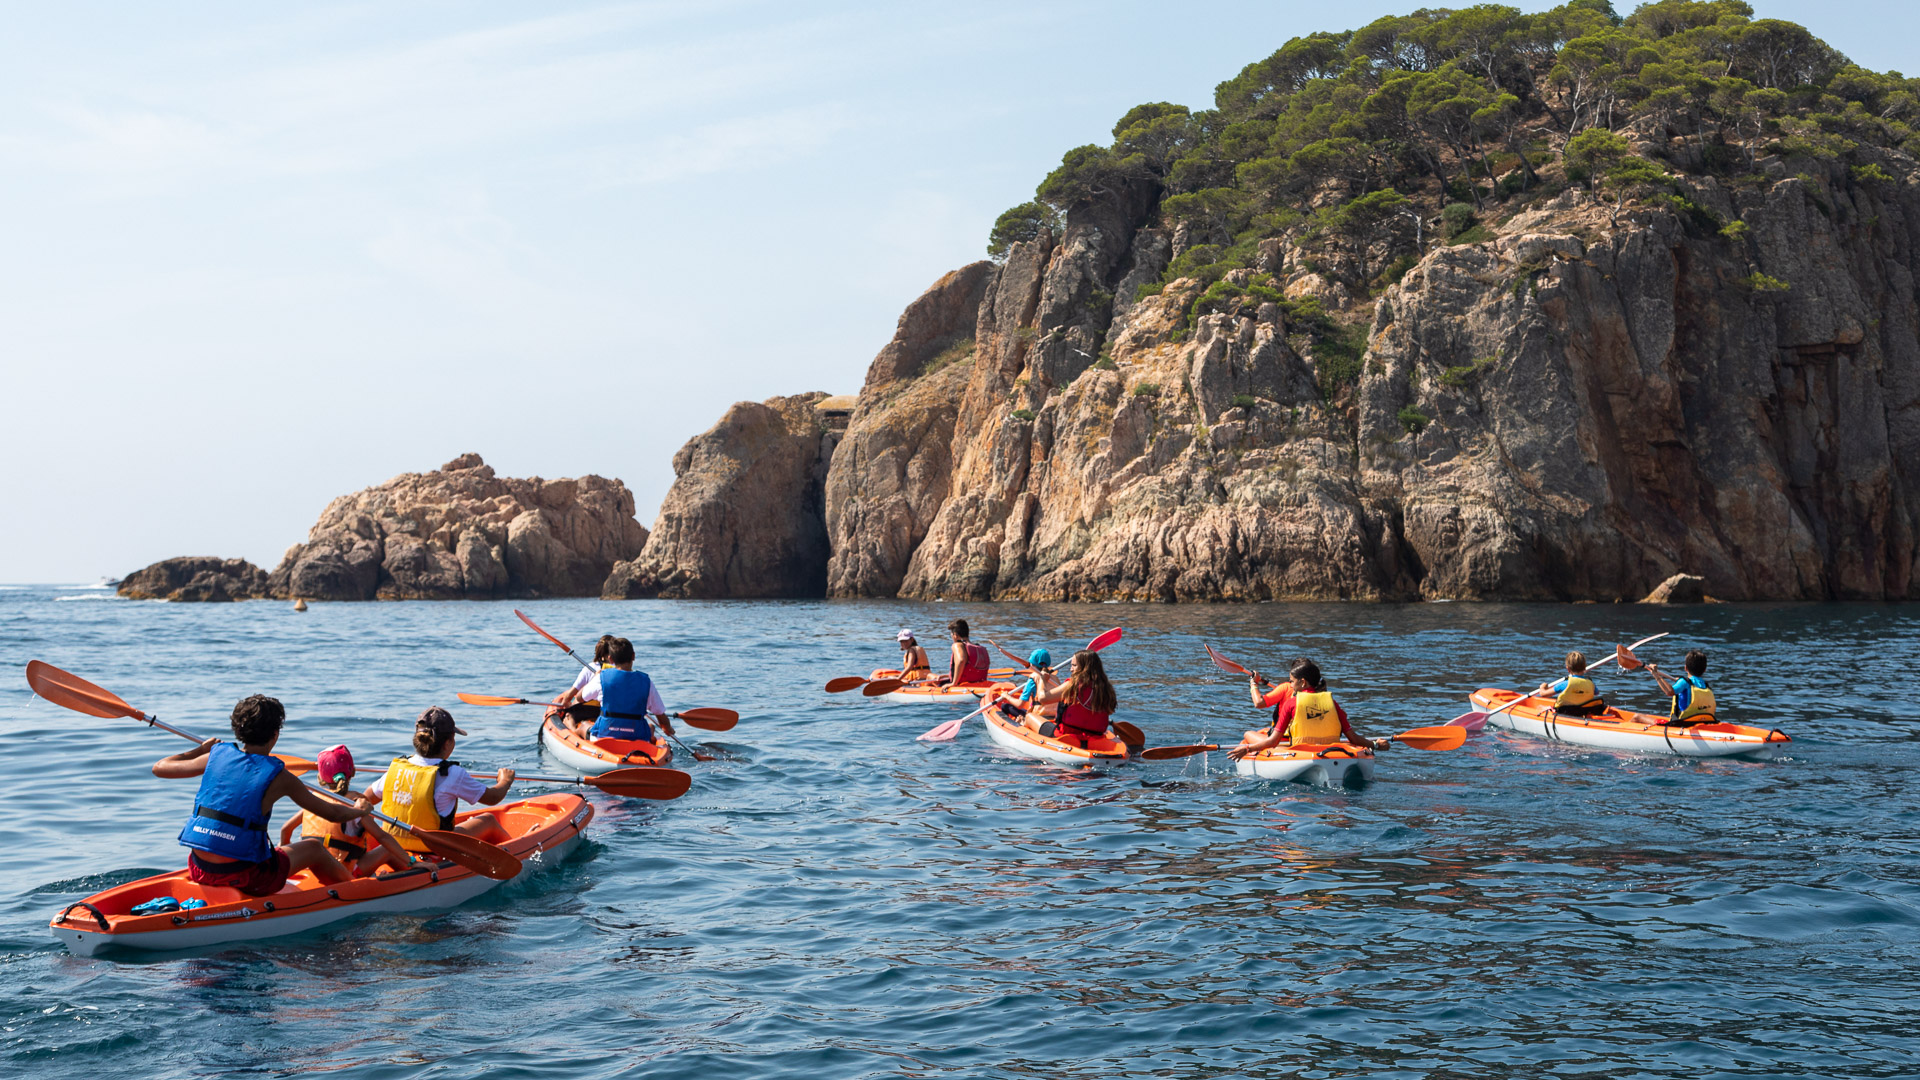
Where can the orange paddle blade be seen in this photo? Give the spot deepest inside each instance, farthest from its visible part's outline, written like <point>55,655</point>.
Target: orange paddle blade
<point>471,852</point>
<point>1168,753</point>
<point>298,766</point>
<point>710,719</point>
<point>643,783</point>
<point>542,633</point>
<point>1434,738</point>
<point>881,686</point>
<point>1625,658</point>
<point>1128,733</point>
<point>845,683</point>
<point>494,699</point>
<point>70,691</point>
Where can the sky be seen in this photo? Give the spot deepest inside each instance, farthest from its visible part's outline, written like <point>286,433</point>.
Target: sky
<point>253,256</point>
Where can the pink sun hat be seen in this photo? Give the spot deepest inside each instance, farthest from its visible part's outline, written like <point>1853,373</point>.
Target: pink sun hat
<point>335,762</point>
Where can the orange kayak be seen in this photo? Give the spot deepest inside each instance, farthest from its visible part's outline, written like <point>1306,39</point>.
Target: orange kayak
<point>591,756</point>
<point>544,831</point>
<point>1619,729</point>
<point>1011,731</point>
<point>929,690</point>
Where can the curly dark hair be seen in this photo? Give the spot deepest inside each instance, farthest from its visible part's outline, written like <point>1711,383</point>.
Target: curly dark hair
<point>257,719</point>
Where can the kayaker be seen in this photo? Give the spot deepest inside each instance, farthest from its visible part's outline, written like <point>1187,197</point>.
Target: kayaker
<point>1304,712</point>
<point>425,789</point>
<point>967,663</point>
<point>1575,694</point>
<point>239,783</point>
<point>1086,702</point>
<point>626,698</point>
<point>1041,680</point>
<point>570,701</point>
<point>1692,699</point>
<point>366,847</point>
<point>914,664</point>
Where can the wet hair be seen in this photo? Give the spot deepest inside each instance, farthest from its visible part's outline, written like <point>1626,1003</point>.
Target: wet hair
<point>958,628</point>
<point>602,647</point>
<point>620,651</point>
<point>1308,672</point>
<point>257,719</point>
<point>1696,662</point>
<point>1576,663</point>
<point>1090,678</point>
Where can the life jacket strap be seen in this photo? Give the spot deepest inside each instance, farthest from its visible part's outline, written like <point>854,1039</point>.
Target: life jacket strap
<point>225,818</point>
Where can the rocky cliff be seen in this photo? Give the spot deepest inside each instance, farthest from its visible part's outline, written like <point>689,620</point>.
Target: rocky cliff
<point>195,578</point>
<point>460,532</point>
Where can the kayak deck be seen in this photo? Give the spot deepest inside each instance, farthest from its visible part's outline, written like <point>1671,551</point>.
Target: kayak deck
<point>543,830</point>
<point>1008,730</point>
<point>598,755</point>
<point>1621,729</point>
<point>1332,764</point>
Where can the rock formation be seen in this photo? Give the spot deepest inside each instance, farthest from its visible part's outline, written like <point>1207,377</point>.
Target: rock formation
<point>196,579</point>
<point>460,532</point>
<point>1679,589</point>
<point>744,517</point>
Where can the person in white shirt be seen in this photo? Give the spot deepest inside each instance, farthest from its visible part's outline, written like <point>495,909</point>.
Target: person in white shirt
<point>574,702</point>
<point>425,789</point>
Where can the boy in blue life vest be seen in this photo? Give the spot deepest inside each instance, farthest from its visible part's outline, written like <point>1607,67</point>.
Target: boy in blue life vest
<point>240,781</point>
<point>1692,698</point>
<point>1575,694</point>
<point>630,704</point>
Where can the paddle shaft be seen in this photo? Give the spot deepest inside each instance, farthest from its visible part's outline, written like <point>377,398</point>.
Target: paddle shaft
<point>563,645</point>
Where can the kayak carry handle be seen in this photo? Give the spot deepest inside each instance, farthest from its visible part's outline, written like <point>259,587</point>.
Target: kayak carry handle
<point>97,917</point>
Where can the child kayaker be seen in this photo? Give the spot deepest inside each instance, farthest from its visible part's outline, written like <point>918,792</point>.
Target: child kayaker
<point>1041,680</point>
<point>425,789</point>
<point>1086,702</point>
<point>239,783</point>
<point>1693,700</point>
<point>571,701</point>
<point>1304,713</point>
<point>914,664</point>
<point>365,848</point>
<point>967,663</point>
<point>1575,694</point>
<point>626,698</point>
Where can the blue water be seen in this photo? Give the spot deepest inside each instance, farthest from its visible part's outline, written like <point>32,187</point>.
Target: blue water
<point>833,899</point>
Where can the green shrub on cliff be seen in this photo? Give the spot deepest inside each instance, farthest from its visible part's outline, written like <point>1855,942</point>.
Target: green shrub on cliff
<point>1473,106</point>
<point>1025,222</point>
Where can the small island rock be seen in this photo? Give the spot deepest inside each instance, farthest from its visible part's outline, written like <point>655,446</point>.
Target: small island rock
<point>196,578</point>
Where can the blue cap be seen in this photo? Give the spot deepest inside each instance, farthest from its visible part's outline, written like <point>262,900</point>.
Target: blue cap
<point>1040,658</point>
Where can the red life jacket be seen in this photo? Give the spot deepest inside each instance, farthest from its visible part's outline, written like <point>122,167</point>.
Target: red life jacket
<point>978,661</point>
<point>1076,715</point>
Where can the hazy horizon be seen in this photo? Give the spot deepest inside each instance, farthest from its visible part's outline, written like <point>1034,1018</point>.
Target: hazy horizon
<point>260,259</point>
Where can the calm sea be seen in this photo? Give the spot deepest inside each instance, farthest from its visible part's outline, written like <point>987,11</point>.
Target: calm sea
<point>833,899</point>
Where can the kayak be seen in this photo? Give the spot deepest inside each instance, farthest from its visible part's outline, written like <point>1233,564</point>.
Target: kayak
<point>1010,732</point>
<point>545,830</point>
<point>591,756</point>
<point>1618,729</point>
<point>928,690</point>
<point>1334,764</point>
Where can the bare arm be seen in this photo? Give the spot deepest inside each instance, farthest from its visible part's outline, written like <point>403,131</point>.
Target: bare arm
<point>661,719</point>
<point>385,839</point>
<point>288,786</point>
<point>499,790</point>
<point>286,831</point>
<point>1666,684</point>
<point>185,763</point>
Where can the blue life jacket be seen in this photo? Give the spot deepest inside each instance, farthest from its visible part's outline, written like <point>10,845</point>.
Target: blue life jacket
<point>623,705</point>
<point>227,820</point>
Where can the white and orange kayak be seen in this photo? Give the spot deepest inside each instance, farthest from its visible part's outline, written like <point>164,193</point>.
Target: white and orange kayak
<point>590,756</point>
<point>926,690</point>
<point>1333,764</point>
<point>544,831</point>
<point>1011,731</point>
<point>1619,729</point>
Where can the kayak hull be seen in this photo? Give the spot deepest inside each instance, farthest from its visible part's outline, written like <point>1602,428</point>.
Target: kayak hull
<point>1619,729</point>
<point>929,691</point>
<point>545,829</point>
<point>1339,765</point>
<point>1009,733</point>
<point>590,757</point>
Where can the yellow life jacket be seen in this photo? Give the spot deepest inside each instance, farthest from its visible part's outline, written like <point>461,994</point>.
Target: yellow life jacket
<point>1699,702</point>
<point>407,795</point>
<point>1578,692</point>
<point>1314,719</point>
<point>333,834</point>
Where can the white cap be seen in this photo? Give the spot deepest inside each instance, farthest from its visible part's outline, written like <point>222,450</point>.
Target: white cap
<point>904,635</point>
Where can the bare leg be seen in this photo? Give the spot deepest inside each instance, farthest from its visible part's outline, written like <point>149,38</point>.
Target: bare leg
<point>312,854</point>
<point>484,826</point>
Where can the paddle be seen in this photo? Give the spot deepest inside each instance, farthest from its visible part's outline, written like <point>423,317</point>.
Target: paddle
<point>72,692</point>
<point>1225,664</point>
<point>881,687</point>
<point>707,719</point>
<point>845,683</point>
<point>550,637</point>
<point>945,732</point>
<point>1426,738</point>
<point>640,783</point>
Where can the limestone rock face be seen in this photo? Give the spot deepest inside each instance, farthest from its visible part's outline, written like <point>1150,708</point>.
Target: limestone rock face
<point>460,532</point>
<point>196,579</point>
<point>744,517</point>
<point>1579,408</point>
<point>1679,589</point>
